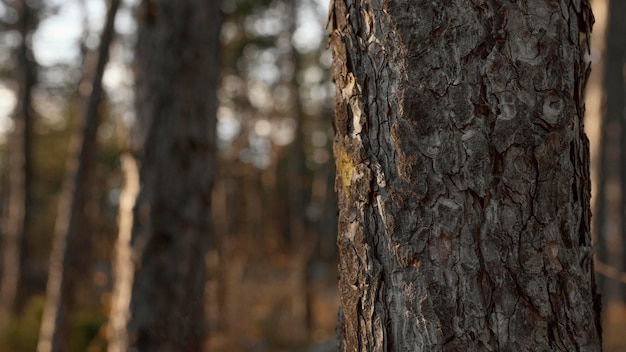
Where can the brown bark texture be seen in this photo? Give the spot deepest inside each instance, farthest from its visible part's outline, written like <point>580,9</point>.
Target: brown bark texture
<point>176,84</point>
<point>463,176</point>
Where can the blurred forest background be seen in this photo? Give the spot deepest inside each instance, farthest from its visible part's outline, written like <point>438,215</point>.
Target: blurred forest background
<point>272,262</point>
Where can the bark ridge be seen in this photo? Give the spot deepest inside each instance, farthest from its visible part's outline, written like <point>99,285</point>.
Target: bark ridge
<point>463,176</point>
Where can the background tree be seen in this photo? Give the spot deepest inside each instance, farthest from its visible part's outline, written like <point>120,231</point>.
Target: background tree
<point>19,202</point>
<point>274,204</point>
<point>273,99</point>
<point>463,176</point>
<point>176,99</point>
<point>69,226</point>
<point>57,107</point>
<point>609,225</point>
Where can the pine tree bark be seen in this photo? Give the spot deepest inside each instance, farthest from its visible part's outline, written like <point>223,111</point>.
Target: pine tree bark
<point>176,99</point>
<point>463,176</point>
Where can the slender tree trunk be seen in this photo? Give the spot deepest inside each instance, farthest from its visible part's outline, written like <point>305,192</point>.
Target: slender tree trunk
<point>611,187</point>
<point>123,256</point>
<point>599,217</point>
<point>463,176</point>
<point>296,159</point>
<point>616,103</point>
<point>54,323</point>
<point>302,242</point>
<point>176,96</point>
<point>20,157</point>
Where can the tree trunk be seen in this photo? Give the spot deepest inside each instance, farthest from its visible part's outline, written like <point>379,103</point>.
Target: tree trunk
<point>610,203</point>
<point>615,104</point>
<point>301,241</point>
<point>123,257</point>
<point>20,161</point>
<point>61,275</point>
<point>176,84</point>
<point>296,177</point>
<point>463,176</point>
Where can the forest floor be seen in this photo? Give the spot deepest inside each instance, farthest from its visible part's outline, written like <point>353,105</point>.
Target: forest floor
<point>265,310</point>
<point>270,307</point>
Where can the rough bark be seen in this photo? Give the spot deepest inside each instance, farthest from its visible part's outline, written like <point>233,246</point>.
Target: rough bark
<point>176,99</point>
<point>462,176</point>
<point>61,275</point>
<point>20,161</point>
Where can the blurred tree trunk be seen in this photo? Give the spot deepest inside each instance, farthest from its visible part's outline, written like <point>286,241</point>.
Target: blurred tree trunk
<point>176,98</point>
<point>302,241</point>
<point>609,223</point>
<point>463,176</point>
<point>53,335</point>
<point>616,104</point>
<point>123,273</point>
<point>296,179</point>
<point>20,165</point>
